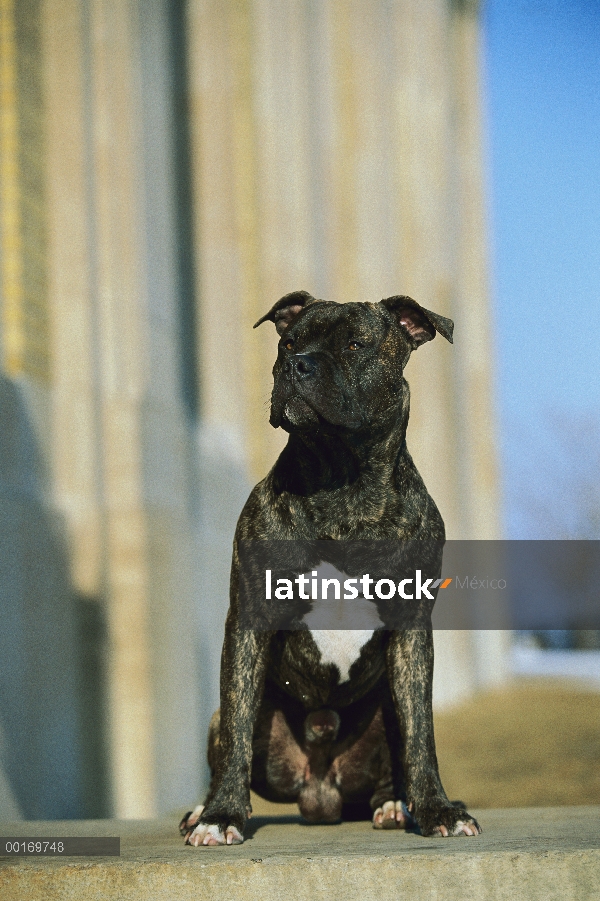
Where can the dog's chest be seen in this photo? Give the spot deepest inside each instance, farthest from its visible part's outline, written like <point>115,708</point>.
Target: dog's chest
<point>341,647</point>
<point>340,625</point>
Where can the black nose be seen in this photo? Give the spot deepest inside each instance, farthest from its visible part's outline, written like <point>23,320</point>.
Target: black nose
<point>304,365</point>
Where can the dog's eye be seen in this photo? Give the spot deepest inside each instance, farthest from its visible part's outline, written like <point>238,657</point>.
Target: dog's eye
<point>354,345</point>
<point>289,344</point>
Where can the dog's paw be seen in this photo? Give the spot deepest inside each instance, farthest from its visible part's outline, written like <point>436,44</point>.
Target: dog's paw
<point>446,820</point>
<point>392,815</point>
<point>197,833</point>
<point>207,834</point>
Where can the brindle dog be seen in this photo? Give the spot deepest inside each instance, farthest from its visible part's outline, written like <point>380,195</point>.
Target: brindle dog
<point>335,721</point>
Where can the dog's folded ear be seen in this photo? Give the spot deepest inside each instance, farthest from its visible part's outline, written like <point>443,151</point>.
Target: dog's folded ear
<point>421,324</point>
<point>286,309</point>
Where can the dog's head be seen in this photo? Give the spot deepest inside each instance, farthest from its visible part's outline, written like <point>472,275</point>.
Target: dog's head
<point>341,365</point>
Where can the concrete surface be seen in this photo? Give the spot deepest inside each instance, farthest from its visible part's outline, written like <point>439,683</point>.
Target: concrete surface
<point>528,854</point>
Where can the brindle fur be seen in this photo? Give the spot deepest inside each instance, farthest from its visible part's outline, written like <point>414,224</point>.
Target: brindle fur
<point>345,474</point>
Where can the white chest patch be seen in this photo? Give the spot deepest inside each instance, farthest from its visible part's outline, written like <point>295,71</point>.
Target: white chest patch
<point>339,625</point>
<point>341,646</point>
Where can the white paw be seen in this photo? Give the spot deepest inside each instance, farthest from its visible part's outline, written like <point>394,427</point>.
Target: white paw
<point>392,815</point>
<point>204,834</point>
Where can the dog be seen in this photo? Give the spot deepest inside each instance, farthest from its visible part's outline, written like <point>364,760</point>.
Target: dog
<point>338,721</point>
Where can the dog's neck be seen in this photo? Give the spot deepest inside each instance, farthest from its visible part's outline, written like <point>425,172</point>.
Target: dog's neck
<point>327,459</point>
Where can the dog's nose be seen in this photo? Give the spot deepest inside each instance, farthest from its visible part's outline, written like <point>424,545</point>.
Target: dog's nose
<point>304,365</point>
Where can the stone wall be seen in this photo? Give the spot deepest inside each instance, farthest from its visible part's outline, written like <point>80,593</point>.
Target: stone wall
<point>169,169</point>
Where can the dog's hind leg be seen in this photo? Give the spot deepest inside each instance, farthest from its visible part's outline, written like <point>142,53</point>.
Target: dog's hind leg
<point>388,801</point>
<point>278,760</point>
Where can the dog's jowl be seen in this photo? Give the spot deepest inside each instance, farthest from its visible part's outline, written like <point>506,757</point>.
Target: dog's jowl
<point>338,721</point>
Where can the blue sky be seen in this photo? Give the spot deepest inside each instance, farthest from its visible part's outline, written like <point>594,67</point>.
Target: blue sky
<point>542,81</point>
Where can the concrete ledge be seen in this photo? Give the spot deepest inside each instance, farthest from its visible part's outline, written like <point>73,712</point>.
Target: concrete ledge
<point>530,854</point>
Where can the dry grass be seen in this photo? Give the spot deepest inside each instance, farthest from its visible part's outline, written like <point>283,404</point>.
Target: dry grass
<point>535,744</point>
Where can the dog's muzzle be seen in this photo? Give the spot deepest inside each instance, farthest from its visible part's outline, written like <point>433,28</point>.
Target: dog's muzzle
<point>306,394</point>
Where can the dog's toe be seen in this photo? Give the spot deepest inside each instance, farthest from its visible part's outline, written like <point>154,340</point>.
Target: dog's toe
<point>190,819</point>
<point>461,827</point>
<point>466,827</point>
<point>391,815</point>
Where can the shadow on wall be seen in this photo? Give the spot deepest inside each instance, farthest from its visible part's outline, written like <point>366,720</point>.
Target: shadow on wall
<point>223,486</point>
<point>52,735</point>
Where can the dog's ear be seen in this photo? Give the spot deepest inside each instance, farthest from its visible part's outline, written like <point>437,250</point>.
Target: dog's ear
<point>286,309</point>
<point>421,324</point>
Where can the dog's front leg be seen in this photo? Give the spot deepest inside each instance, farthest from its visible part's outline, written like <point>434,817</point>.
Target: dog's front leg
<point>409,665</point>
<point>243,666</point>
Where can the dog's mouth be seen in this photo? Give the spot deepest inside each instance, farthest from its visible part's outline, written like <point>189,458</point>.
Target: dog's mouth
<point>299,414</point>
<point>291,411</point>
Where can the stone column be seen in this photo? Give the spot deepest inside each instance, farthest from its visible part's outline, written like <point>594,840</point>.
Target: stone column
<point>476,363</point>
<point>122,455</point>
<point>75,400</point>
<point>39,750</point>
<point>476,358</point>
